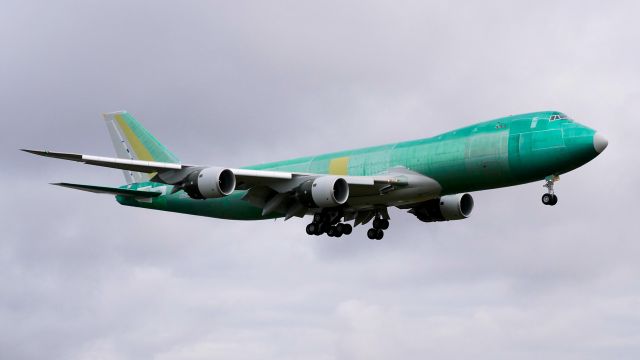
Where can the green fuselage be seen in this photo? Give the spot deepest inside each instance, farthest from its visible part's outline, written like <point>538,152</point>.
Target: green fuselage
<point>503,152</point>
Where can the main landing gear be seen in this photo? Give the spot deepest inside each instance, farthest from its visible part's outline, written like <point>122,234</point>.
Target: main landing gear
<point>550,198</point>
<point>325,223</point>
<point>329,223</point>
<point>377,231</point>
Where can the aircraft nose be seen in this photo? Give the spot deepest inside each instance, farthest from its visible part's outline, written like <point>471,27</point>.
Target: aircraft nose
<point>600,142</point>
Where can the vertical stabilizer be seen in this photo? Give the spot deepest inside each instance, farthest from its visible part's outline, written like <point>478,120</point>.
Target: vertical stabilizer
<point>132,141</point>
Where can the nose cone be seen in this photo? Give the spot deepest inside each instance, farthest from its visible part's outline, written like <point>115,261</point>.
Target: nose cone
<point>600,142</point>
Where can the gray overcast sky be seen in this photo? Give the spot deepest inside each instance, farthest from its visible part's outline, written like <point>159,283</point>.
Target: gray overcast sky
<point>239,82</point>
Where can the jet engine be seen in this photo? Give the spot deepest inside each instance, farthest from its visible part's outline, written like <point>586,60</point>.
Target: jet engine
<point>323,192</point>
<point>450,207</point>
<point>209,183</point>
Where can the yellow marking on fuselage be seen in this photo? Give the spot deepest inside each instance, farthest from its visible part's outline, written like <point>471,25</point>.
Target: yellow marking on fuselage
<point>339,166</point>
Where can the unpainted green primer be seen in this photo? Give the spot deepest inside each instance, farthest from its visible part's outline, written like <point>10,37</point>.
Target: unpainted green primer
<point>502,152</point>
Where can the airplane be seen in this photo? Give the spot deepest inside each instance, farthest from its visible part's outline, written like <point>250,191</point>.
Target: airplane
<point>431,178</point>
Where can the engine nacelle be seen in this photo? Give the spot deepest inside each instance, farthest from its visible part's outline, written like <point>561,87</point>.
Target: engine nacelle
<point>450,207</point>
<point>323,192</point>
<point>210,183</point>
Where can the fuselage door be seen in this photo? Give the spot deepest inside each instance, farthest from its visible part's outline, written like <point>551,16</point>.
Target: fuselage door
<point>487,154</point>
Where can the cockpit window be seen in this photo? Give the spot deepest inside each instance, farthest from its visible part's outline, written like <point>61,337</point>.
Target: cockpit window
<point>559,117</point>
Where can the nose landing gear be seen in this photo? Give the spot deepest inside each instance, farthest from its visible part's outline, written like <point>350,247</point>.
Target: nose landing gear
<point>550,198</point>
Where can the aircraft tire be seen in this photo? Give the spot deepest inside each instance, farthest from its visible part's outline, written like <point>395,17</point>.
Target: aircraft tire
<point>384,224</point>
<point>332,232</point>
<point>547,199</point>
<point>379,234</point>
<point>312,229</point>
<point>554,200</point>
<point>347,229</point>
<point>372,234</point>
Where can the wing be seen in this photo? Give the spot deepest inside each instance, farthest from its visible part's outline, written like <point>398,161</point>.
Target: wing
<point>275,191</point>
<point>168,171</point>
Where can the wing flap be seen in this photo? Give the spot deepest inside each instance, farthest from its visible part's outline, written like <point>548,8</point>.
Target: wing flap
<point>248,178</point>
<point>248,174</point>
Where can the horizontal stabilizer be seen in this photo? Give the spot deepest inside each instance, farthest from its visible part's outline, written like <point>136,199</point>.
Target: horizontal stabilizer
<point>110,190</point>
<point>116,163</point>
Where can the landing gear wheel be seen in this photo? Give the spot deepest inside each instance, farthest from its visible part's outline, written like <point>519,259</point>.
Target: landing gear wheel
<point>372,234</point>
<point>324,227</point>
<point>344,228</point>
<point>381,224</point>
<point>379,234</point>
<point>334,231</point>
<point>312,228</point>
<point>331,232</point>
<point>547,199</point>
<point>554,199</point>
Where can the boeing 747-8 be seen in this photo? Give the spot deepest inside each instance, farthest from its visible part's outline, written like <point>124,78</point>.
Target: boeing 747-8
<point>431,178</point>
